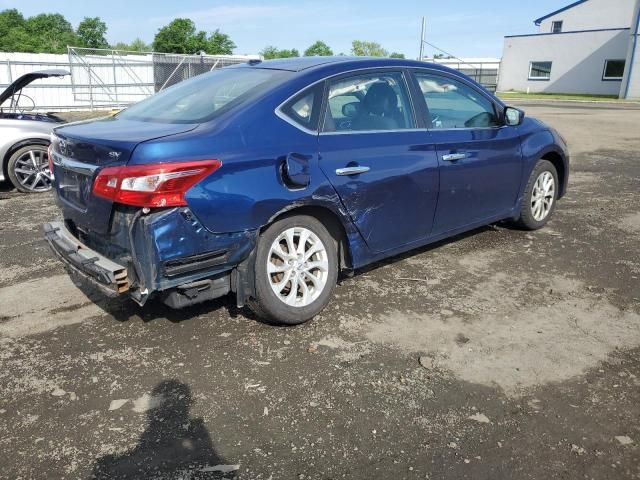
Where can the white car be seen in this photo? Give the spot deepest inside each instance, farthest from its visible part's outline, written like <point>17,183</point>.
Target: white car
<point>24,136</point>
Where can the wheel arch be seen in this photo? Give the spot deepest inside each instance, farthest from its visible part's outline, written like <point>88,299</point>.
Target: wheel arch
<point>17,146</point>
<point>558,162</point>
<point>330,219</point>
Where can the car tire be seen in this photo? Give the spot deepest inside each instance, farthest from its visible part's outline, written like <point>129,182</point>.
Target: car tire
<point>540,196</point>
<point>30,157</point>
<point>295,252</point>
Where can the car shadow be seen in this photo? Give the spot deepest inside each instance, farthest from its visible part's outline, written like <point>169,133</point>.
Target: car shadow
<point>7,188</point>
<point>124,309</point>
<point>430,247</point>
<point>173,445</point>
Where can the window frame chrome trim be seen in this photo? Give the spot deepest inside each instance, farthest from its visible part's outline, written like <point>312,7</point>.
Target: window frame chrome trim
<point>404,69</point>
<point>279,113</point>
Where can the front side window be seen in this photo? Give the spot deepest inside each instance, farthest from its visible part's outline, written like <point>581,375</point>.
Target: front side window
<point>373,102</point>
<point>556,27</point>
<point>540,70</point>
<point>613,69</point>
<point>452,104</point>
<point>202,98</point>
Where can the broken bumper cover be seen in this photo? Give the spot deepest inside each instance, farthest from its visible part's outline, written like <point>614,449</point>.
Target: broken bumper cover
<point>109,277</point>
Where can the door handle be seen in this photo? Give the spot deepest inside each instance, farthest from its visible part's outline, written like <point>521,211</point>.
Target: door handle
<point>452,157</point>
<point>351,171</point>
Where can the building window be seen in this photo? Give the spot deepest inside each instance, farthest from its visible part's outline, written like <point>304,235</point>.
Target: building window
<point>556,27</point>
<point>540,71</point>
<point>613,69</point>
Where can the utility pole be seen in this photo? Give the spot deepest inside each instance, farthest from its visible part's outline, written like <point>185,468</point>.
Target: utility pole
<point>422,34</point>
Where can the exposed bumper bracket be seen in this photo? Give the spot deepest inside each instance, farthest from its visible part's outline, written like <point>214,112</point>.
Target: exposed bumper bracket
<point>108,276</point>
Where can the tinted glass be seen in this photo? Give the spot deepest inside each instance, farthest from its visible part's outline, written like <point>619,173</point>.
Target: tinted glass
<point>540,70</point>
<point>304,109</point>
<point>614,69</point>
<point>556,27</point>
<point>204,97</point>
<point>371,102</point>
<point>453,104</point>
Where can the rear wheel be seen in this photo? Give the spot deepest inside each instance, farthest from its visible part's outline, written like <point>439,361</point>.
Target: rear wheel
<point>28,169</point>
<point>539,199</point>
<point>296,270</point>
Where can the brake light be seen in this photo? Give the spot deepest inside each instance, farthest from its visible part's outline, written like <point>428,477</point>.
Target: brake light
<point>156,185</point>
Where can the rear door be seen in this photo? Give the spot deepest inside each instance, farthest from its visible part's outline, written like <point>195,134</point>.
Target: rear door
<point>480,158</point>
<point>382,165</point>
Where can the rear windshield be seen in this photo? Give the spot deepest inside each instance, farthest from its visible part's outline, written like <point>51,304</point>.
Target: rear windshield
<point>204,97</point>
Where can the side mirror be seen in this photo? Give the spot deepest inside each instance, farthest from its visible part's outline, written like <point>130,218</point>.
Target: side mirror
<point>513,116</point>
<point>350,110</point>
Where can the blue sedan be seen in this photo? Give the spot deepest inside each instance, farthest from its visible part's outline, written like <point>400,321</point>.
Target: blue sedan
<point>271,178</point>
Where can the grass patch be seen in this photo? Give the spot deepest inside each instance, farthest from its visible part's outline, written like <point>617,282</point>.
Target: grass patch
<point>558,96</point>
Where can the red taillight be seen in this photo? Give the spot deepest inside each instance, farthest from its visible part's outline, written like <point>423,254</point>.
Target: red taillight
<point>50,159</point>
<point>156,185</point>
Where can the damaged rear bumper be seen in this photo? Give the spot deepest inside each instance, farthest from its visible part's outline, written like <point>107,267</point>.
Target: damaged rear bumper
<point>166,254</point>
<point>107,276</point>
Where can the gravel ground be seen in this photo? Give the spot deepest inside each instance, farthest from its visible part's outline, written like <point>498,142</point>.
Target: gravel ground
<point>499,354</point>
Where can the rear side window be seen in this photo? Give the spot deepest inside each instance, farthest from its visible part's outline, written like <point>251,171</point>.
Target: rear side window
<point>370,102</point>
<point>304,108</point>
<point>202,98</point>
<point>452,104</point>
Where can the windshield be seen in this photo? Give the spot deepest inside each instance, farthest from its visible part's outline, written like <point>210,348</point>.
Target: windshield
<point>204,97</point>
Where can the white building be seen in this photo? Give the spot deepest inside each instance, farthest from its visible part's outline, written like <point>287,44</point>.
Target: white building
<point>590,47</point>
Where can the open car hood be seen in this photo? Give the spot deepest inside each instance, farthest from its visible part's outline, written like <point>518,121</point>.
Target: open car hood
<point>26,79</point>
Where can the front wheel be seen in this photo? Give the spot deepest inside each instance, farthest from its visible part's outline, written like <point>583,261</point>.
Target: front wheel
<point>539,199</point>
<point>296,270</point>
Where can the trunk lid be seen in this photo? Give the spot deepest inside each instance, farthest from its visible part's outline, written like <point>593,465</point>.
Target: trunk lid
<point>80,150</point>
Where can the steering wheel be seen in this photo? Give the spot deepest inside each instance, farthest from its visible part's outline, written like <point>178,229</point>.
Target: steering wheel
<point>484,119</point>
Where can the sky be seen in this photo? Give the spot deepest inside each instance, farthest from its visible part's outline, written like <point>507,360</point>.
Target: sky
<point>465,28</point>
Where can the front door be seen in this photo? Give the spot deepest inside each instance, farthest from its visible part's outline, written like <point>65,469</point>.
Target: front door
<point>480,159</point>
<point>384,169</point>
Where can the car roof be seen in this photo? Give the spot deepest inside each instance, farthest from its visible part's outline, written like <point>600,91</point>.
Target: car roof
<point>299,64</point>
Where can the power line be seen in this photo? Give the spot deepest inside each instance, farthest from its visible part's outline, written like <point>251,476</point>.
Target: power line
<point>447,53</point>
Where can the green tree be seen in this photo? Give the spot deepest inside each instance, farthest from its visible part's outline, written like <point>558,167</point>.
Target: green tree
<point>91,33</point>
<point>271,52</point>
<point>137,45</point>
<point>179,36</point>
<point>13,34</point>
<point>319,49</point>
<point>363,48</point>
<point>396,55</point>
<point>220,43</point>
<point>51,33</point>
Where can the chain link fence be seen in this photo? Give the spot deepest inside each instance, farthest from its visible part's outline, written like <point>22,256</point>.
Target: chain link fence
<point>117,78</point>
<point>483,71</point>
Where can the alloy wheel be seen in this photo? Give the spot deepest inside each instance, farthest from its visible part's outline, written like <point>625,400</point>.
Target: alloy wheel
<point>297,266</point>
<point>543,196</point>
<point>32,170</point>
